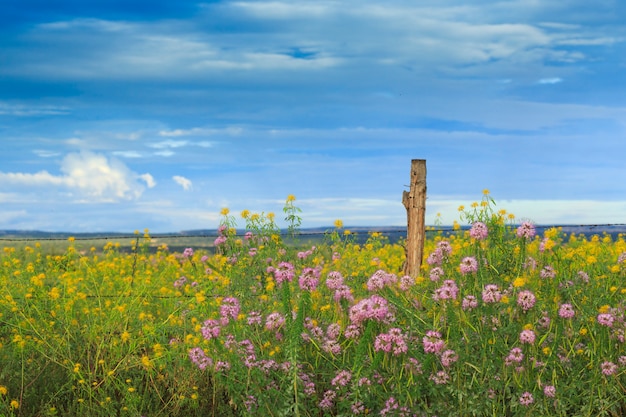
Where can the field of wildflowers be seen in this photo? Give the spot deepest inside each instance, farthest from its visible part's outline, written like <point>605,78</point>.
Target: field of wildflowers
<point>501,322</point>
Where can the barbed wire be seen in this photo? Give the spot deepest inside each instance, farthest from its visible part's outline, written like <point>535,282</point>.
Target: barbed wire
<point>355,230</point>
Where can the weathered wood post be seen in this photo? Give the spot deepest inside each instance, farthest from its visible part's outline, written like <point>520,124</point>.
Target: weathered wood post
<point>414,201</point>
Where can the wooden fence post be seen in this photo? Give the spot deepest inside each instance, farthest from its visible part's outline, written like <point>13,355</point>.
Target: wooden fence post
<point>414,201</point>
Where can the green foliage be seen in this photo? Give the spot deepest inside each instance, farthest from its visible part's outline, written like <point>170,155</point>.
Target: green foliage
<point>333,330</point>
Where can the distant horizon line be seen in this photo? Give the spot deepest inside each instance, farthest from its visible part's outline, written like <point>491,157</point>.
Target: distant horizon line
<point>307,230</point>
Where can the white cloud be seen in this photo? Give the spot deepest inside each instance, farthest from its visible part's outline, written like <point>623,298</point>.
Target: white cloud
<point>201,131</point>
<point>149,180</point>
<point>128,154</point>
<point>553,80</point>
<point>93,177</point>
<point>183,182</point>
<point>168,144</point>
<point>44,153</point>
<point>22,110</point>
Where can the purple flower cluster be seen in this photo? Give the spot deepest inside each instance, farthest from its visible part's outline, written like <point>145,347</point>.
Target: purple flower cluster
<point>305,254</point>
<point>468,265</point>
<point>436,273</point>
<point>566,311</point>
<point>527,336</point>
<point>526,399</point>
<point>221,235</point>
<point>448,357</point>
<point>274,321</point>
<point>606,319</point>
<point>283,272</point>
<point>547,272</point>
<point>469,302</point>
<point>380,279</point>
<point>442,250</point>
<point>448,291</point>
<point>608,368</point>
<point>526,230</point>
<point>180,282</point>
<point>229,309</point>
<point>199,358</point>
<point>392,342</point>
<point>432,342</point>
<point>210,329</point>
<point>526,300</point>
<point>309,279</point>
<point>372,308</point>
<point>515,356</point>
<point>341,379</point>
<point>491,294</point>
<point>479,231</point>
<point>334,281</point>
<point>406,282</point>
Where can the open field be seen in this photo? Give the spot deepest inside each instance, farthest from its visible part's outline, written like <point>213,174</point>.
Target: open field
<point>501,321</point>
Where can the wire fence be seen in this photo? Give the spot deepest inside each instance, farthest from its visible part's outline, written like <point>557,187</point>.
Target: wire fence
<point>386,231</point>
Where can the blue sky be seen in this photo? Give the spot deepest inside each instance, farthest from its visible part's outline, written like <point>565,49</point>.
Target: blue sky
<point>126,115</point>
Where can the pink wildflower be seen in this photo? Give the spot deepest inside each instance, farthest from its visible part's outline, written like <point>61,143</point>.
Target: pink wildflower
<point>606,319</point>
<point>479,231</point>
<point>526,230</point>
<point>334,280</point>
<point>210,329</point>
<point>566,311</point>
<point>380,279</point>
<point>608,368</point>
<point>526,300</point>
<point>468,265</point>
<point>436,273</point>
<point>309,279</point>
<point>341,379</point>
<point>392,342</point>
<point>440,377</point>
<point>432,342</point>
<point>527,336</point>
<point>448,291</point>
<point>491,294</point>
<point>469,302</point>
<point>274,321</point>
<point>547,272</point>
<point>448,357</point>
<point>526,399</point>
<point>549,391</point>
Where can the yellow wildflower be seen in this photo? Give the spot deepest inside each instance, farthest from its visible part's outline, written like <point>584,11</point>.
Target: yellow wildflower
<point>291,198</point>
<point>519,282</point>
<point>146,362</point>
<point>338,224</point>
<point>225,211</point>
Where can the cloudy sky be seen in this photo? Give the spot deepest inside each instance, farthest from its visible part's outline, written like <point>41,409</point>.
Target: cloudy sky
<point>125,115</point>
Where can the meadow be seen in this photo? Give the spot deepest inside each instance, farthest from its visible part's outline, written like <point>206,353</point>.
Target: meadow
<point>501,321</point>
